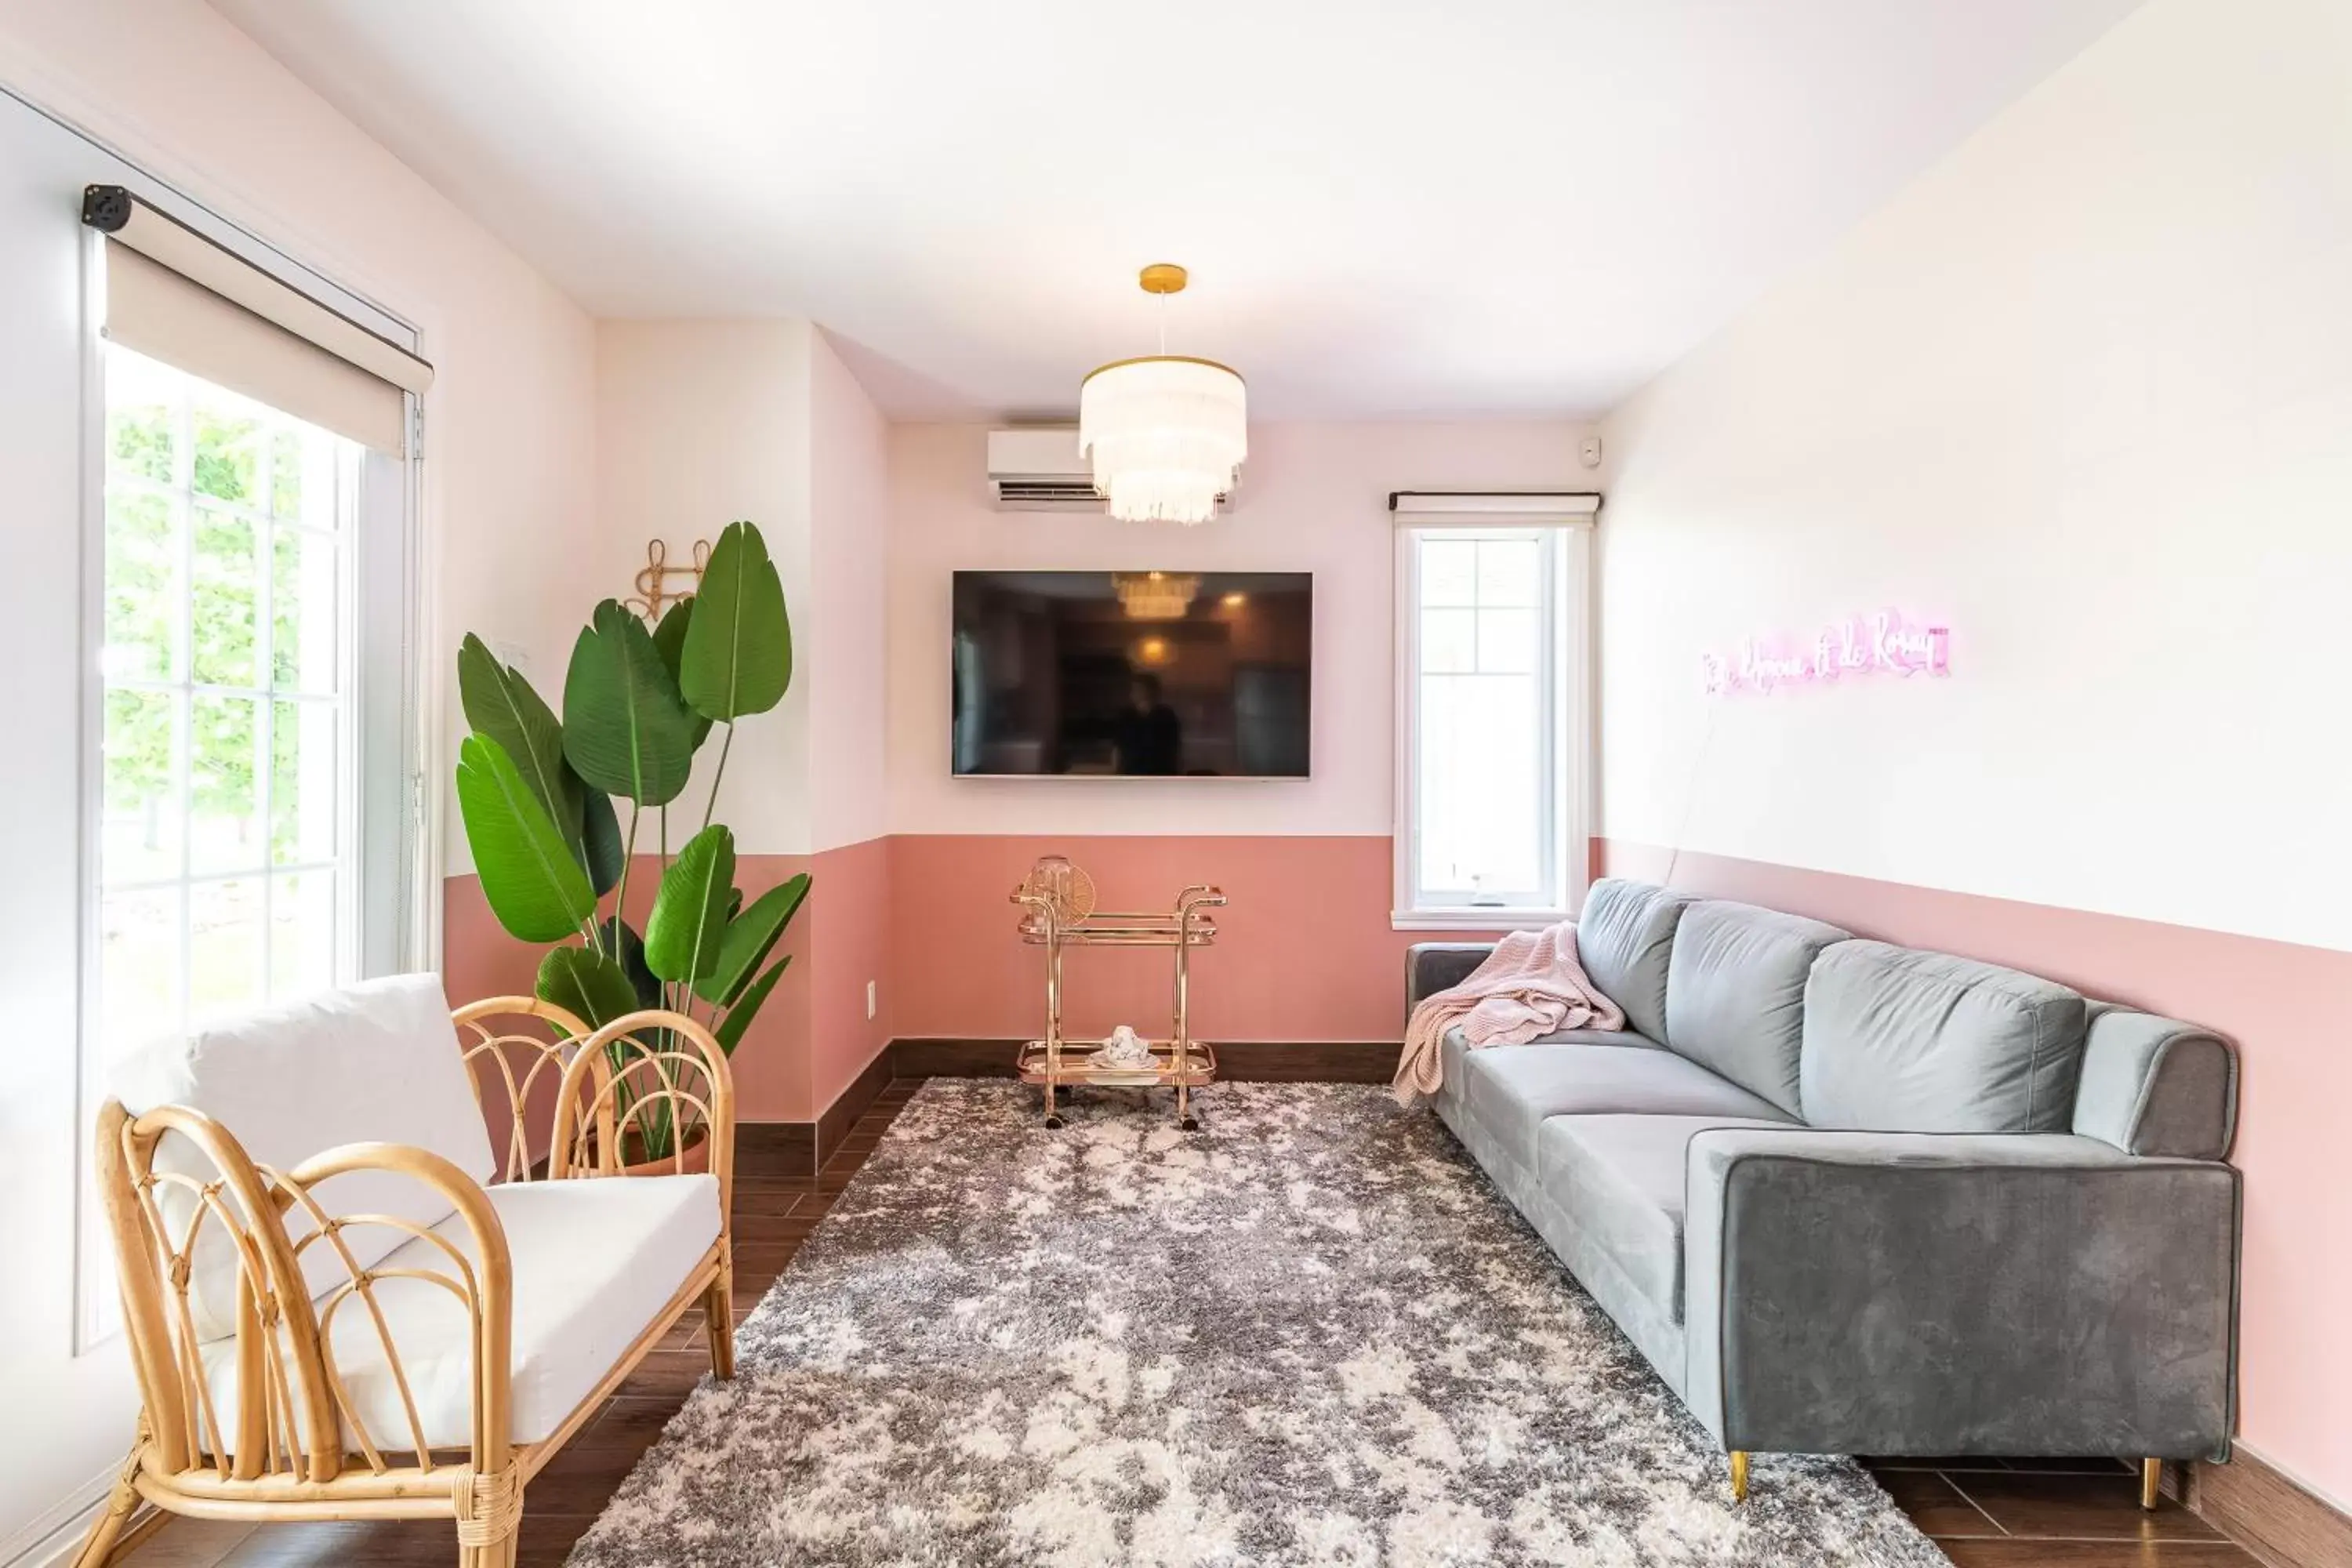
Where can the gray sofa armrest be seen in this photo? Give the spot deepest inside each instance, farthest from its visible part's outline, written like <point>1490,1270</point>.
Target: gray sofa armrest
<point>1433,966</point>
<point>2156,1086</point>
<point>1957,1293</point>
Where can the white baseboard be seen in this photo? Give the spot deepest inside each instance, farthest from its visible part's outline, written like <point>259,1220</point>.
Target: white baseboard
<point>51,1540</point>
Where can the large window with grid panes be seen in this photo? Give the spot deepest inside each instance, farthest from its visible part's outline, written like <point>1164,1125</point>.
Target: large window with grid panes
<point>1492,633</point>
<point>226,811</point>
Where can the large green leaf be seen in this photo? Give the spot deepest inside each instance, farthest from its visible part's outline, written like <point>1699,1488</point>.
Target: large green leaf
<point>737,657</point>
<point>689,919</point>
<point>669,640</point>
<point>621,939</point>
<point>535,886</point>
<point>625,727</point>
<point>501,703</point>
<point>593,986</point>
<point>601,848</point>
<point>729,1030</point>
<point>749,938</point>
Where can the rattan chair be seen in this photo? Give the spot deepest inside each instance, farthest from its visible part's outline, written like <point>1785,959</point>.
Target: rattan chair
<point>312,1343</point>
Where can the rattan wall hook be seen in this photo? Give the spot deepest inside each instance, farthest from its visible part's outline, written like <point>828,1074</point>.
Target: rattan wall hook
<point>656,581</point>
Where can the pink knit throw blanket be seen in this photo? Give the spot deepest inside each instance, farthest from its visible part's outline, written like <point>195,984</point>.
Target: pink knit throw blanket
<point>1529,985</point>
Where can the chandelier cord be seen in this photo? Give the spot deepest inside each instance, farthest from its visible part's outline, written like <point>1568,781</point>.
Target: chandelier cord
<point>1163,326</point>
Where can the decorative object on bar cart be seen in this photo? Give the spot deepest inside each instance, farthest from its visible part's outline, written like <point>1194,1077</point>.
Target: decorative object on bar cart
<point>1124,1050</point>
<point>537,795</point>
<point>1059,902</point>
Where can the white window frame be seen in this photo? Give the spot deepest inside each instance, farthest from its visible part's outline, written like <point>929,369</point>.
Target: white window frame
<point>1567,666</point>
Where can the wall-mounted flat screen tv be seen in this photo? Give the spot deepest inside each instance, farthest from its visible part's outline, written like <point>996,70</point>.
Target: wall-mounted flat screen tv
<point>1133,674</point>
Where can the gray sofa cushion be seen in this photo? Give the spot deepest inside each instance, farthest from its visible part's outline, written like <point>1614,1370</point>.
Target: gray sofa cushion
<point>1902,1041</point>
<point>1622,1179</point>
<point>1623,937</point>
<point>1626,1038</point>
<point>2156,1086</point>
<point>1736,993</point>
<point>1513,1090</point>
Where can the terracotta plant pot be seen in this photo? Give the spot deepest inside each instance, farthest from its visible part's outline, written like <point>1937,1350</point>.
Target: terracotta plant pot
<point>696,1160</point>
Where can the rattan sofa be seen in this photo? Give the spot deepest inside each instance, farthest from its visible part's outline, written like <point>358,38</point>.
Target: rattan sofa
<point>344,1303</point>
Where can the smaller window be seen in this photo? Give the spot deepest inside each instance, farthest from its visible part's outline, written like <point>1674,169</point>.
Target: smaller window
<point>1491,633</point>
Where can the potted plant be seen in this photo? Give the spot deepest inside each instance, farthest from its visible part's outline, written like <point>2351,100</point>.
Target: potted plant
<point>539,793</point>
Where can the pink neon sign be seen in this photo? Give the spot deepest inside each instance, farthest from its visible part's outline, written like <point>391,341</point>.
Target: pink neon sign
<point>1881,644</point>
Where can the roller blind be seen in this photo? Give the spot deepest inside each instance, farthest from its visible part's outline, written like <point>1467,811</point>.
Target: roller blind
<point>175,296</point>
<point>1493,509</point>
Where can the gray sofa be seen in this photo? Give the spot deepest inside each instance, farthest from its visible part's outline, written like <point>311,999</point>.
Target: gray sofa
<point>1853,1198</point>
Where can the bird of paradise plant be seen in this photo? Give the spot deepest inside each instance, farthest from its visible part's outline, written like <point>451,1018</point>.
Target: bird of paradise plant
<point>536,794</point>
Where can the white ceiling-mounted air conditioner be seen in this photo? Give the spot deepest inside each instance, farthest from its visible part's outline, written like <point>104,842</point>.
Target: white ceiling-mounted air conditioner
<point>1037,469</point>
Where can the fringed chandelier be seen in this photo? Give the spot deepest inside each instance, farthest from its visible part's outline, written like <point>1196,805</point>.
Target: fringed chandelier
<point>1167,433</point>
<point>1154,595</point>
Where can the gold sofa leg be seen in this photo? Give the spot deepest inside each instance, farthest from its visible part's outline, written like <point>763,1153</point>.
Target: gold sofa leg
<point>1739,1474</point>
<point>2151,1482</point>
<point>719,1309</point>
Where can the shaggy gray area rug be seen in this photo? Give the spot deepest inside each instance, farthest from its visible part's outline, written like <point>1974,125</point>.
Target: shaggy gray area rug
<point>1310,1334</point>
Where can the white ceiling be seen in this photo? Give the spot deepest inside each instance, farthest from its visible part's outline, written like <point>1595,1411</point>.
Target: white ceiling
<point>1391,208</point>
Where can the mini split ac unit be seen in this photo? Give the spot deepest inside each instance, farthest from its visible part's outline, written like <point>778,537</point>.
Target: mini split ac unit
<point>1038,468</point>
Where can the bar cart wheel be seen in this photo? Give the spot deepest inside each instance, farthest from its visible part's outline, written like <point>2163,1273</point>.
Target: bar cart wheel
<point>1191,1124</point>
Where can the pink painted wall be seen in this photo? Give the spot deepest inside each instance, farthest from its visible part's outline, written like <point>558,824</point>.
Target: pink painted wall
<point>770,1064</point>
<point>1304,950</point>
<point>850,936</point>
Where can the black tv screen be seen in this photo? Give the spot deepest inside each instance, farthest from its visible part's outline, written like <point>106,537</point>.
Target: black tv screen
<point>1133,674</point>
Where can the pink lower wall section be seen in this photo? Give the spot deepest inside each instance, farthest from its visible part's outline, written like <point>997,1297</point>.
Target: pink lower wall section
<point>2283,1005</point>
<point>1304,950</point>
<point>772,1080</point>
<point>850,943</point>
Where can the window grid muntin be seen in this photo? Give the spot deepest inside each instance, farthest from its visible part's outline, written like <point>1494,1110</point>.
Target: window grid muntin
<point>1553,603</point>
<point>182,500</point>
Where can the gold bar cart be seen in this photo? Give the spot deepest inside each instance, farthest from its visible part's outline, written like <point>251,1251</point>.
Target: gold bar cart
<point>1058,901</point>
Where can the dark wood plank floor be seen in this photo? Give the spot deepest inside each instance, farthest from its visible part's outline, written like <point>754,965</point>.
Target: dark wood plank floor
<point>1985,1513</point>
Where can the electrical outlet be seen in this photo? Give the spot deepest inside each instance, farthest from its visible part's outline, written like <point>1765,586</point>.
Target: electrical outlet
<point>869,999</point>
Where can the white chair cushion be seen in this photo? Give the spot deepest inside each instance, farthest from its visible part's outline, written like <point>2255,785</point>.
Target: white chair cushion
<point>376,1062</point>
<point>594,1260</point>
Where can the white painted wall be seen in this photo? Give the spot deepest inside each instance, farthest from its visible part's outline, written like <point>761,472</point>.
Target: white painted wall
<point>700,424</point>
<point>1313,498</point>
<point>841,648</point>
<point>2086,390</point>
<point>507,476</point>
